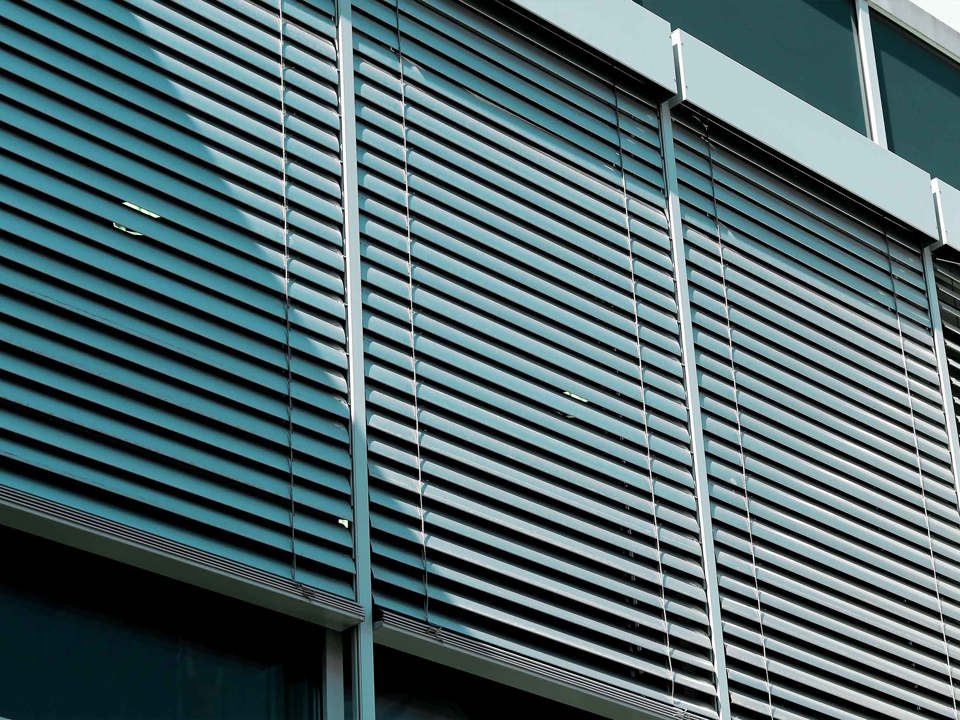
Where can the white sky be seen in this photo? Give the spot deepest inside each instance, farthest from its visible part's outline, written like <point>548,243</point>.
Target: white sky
<point>946,10</point>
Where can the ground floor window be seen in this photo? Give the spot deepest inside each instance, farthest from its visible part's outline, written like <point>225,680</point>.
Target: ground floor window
<point>85,637</point>
<point>409,688</point>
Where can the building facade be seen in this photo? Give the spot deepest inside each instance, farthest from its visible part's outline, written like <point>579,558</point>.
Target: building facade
<point>454,359</point>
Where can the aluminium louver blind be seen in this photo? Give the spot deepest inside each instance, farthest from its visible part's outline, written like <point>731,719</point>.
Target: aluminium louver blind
<point>508,417</point>
<point>143,374</point>
<point>321,434</point>
<point>947,269</point>
<point>834,511</point>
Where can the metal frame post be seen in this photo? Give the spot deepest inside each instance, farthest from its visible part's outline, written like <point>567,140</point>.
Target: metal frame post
<point>696,424</point>
<point>333,685</point>
<point>362,636</point>
<point>868,75</point>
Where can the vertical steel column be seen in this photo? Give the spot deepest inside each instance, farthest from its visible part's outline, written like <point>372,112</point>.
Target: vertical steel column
<point>696,424</point>
<point>333,686</point>
<point>943,367</point>
<point>869,77</point>
<point>362,636</point>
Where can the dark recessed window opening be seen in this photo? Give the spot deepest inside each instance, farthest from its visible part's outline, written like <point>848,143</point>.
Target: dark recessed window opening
<point>920,89</point>
<point>807,47</point>
<point>86,637</point>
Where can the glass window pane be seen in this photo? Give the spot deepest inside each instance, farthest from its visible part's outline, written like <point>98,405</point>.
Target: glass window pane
<point>88,638</point>
<point>921,100</point>
<point>409,688</point>
<point>807,47</point>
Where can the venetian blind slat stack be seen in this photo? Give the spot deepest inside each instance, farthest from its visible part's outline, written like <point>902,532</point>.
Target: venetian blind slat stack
<point>144,361</point>
<point>831,490</point>
<point>508,416</point>
<point>947,271</point>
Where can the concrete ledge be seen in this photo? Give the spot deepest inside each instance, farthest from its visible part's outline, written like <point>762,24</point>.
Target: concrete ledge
<point>947,202</point>
<point>619,29</point>
<point>711,81</point>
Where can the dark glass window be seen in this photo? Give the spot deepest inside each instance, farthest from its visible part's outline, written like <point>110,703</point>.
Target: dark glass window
<point>408,687</point>
<point>84,637</point>
<point>807,47</point>
<point>921,100</point>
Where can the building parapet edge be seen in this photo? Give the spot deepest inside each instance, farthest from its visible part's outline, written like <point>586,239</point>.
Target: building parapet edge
<point>491,662</point>
<point>130,545</point>
<point>926,27</point>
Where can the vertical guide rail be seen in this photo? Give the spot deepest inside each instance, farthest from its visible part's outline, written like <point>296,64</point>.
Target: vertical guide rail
<point>643,396</point>
<point>413,316</point>
<point>696,424</point>
<point>287,347</point>
<point>736,404</point>
<point>362,669</point>
<point>946,391</point>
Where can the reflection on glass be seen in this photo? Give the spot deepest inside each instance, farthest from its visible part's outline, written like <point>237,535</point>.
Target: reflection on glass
<point>85,638</point>
<point>807,47</point>
<point>920,89</point>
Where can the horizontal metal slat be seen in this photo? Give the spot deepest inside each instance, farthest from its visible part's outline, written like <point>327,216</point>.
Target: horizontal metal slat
<point>254,99</point>
<point>187,379</point>
<point>477,309</point>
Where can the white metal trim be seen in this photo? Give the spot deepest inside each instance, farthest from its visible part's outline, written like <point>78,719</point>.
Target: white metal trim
<point>783,122</point>
<point>868,75</point>
<point>622,30</point>
<point>364,705</point>
<point>947,202</point>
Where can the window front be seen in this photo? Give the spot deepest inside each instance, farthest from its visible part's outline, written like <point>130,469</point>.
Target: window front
<point>807,47</point>
<point>921,100</point>
<point>85,637</point>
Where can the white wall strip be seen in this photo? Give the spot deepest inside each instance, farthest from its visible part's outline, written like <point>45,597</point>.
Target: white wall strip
<point>363,646</point>
<point>869,78</point>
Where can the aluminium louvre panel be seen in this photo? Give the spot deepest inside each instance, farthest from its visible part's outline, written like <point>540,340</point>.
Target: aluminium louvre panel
<point>514,494</point>
<point>762,110</point>
<point>833,501</point>
<point>145,323</point>
<point>947,272</point>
